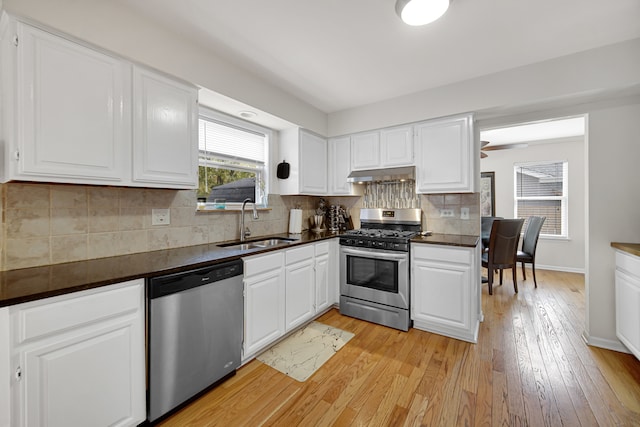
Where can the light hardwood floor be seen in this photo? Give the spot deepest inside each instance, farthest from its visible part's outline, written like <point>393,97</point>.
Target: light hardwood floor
<point>530,367</point>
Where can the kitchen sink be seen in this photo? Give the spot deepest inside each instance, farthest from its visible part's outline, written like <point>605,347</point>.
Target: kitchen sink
<point>258,243</point>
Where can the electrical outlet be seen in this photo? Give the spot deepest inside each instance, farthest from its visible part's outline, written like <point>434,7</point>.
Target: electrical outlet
<point>160,217</point>
<point>446,213</point>
<point>464,213</point>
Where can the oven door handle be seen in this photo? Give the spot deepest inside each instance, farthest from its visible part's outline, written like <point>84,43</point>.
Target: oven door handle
<point>370,253</point>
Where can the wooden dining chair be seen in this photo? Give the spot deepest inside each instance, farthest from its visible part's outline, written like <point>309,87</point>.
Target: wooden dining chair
<point>503,247</point>
<point>485,230</point>
<point>529,245</point>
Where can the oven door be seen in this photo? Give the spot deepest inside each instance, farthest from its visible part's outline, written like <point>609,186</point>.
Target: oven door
<point>375,275</point>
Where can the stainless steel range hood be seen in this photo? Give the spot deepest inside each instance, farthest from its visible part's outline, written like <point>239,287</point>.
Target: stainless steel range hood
<point>376,175</point>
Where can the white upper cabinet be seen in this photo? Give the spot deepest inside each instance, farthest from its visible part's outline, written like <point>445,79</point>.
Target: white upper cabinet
<point>72,114</point>
<point>339,165</point>
<point>306,154</point>
<point>365,150</point>
<point>165,130</point>
<point>445,161</point>
<point>396,146</point>
<point>71,117</point>
<point>385,148</point>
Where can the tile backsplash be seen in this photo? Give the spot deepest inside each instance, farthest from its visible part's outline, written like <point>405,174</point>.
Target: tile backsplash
<point>55,223</point>
<point>432,204</point>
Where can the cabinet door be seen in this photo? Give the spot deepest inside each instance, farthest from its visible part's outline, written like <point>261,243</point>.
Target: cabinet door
<point>441,294</point>
<point>365,150</point>
<point>313,164</point>
<point>334,271</point>
<point>165,137</point>
<point>444,162</point>
<point>396,146</point>
<point>339,165</point>
<point>264,310</point>
<point>5,368</point>
<point>300,293</point>
<point>323,298</point>
<point>628,310</point>
<point>81,380</point>
<point>74,107</point>
<point>81,359</point>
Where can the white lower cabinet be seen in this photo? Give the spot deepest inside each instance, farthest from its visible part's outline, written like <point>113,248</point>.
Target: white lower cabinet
<point>322,276</point>
<point>445,290</point>
<point>286,289</point>
<point>79,359</point>
<point>263,301</point>
<point>299,285</point>
<point>5,368</point>
<point>628,301</point>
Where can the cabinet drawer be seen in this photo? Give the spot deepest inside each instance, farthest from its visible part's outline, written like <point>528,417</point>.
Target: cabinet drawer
<point>51,315</point>
<point>299,254</point>
<point>628,263</point>
<point>261,263</point>
<point>322,248</point>
<point>441,253</point>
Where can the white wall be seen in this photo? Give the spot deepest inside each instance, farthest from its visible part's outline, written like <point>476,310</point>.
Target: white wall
<point>111,26</point>
<point>613,208</point>
<point>565,255</point>
<point>587,73</point>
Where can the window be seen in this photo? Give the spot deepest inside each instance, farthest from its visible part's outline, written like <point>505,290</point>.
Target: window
<point>233,158</point>
<point>541,190</point>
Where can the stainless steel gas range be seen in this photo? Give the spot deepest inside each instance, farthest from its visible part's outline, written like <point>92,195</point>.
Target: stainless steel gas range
<point>374,267</point>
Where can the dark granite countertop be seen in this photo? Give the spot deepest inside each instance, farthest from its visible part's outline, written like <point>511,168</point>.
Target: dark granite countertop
<point>29,284</point>
<point>448,240</point>
<point>630,248</point>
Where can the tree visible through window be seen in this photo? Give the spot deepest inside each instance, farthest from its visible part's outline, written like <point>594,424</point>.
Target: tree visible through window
<point>541,190</point>
<point>232,159</point>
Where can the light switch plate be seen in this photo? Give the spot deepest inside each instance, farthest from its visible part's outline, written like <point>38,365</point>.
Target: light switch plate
<point>160,217</point>
<point>464,213</point>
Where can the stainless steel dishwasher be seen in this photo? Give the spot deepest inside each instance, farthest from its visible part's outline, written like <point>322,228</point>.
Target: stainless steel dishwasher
<point>195,333</point>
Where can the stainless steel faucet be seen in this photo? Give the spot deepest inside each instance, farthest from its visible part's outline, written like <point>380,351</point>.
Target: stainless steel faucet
<point>245,232</point>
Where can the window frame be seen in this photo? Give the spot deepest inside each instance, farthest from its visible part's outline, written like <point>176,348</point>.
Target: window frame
<point>564,199</point>
<point>262,175</point>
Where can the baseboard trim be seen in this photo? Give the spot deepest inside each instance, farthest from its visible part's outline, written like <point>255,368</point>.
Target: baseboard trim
<point>607,344</point>
<point>557,268</point>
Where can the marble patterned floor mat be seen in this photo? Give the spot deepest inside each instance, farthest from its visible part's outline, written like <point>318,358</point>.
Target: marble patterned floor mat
<point>302,353</point>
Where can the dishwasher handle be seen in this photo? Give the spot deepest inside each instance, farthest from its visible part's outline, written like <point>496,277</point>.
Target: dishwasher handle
<point>170,284</point>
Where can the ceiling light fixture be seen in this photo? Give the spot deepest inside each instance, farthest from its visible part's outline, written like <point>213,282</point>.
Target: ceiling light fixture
<point>247,114</point>
<point>421,12</point>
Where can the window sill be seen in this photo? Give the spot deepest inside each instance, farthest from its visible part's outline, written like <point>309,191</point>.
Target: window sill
<point>552,237</point>
<point>231,208</point>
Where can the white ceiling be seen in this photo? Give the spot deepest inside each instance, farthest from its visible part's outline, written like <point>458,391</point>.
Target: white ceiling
<point>339,54</point>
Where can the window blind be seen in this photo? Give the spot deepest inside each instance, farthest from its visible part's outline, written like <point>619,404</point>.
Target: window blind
<point>541,191</point>
<point>230,142</point>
